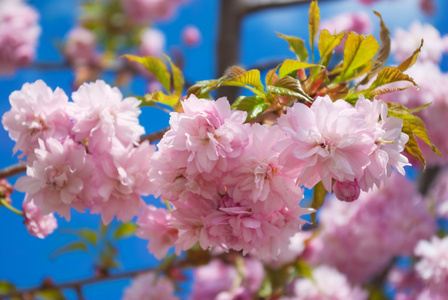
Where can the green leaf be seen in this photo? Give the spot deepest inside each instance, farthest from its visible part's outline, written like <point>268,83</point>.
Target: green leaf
<point>202,88</point>
<point>160,97</point>
<point>319,193</point>
<point>178,77</point>
<point>303,269</point>
<point>75,246</point>
<point>412,147</point>
<point>288,86</point>
<point>51,294</point>
<point>297,46</point>
<point>253,105</point>
<point>237,74</point>
<point>410,61</point>
<point>291,65</point>
<point>266,288</point>
<point>358,52</point>
<point>271,76</point>
<point>389,75</point>
<point>313,22</point>
<point>383,53</point>
<point>326,45</point>
<point>124,230</point>
<point>156,67</point>
<point>6,288</point>
<point>414,127</point>
<point>88,235</point>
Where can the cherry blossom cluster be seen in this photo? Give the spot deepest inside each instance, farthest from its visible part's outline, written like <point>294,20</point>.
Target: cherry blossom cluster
<point>82,154</point>
<point>19,32</point>
<point>361,238</point>
<point>80,47</point>
<point>231,185</point>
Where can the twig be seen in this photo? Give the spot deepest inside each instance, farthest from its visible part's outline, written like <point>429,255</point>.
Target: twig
<point>12,170</point>
<point>76,285</point>
<point>255,6</point>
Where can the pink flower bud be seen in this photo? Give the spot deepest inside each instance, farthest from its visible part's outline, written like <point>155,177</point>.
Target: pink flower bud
<point>191,35</point>
<point>38,225</point>
<point>347,191</point>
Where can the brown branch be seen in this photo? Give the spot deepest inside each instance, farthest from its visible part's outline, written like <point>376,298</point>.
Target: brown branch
<point>255,6</point>
<point>12,170</point>
<point>75,285</point>
<point>21,167</point>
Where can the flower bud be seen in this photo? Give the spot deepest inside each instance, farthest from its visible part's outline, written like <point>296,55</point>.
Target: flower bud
<point>347,191</point>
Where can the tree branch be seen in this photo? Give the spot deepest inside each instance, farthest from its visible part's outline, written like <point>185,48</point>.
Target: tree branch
<point>255,6</point>
<point>75,285</point>
<point>12,170</point>
<point>21,167</point>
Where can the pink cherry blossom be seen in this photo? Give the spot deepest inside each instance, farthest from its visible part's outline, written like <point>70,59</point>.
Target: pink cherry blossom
<point>216,280</point>
<point>438,194</point>
<point>191,36</point>
<point>37,224</point>
<point>207,134</point>
<point>327,283</point>
<point>79,48</point>
<point>102,115</point>
<point>404,43</point>
<point>330,140</point>
<point>259,177</point>
<point>36,113</point>
<point>212,279</point>
<point>19,33</point>
<point>149,286</point>
<point>387,216</point>
<point>433,264</point>
<point>152,42</point>
<point>59,177</point>
<point>122,179</point>
<point>357,22</point>
<point>144,11</point>
<point>389,140</point>
<point>156,225</point>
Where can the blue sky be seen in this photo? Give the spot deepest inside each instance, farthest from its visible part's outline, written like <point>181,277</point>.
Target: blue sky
<point>24,260</point>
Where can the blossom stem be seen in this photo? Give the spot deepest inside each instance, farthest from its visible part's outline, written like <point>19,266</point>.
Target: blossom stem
<point>4,203</point>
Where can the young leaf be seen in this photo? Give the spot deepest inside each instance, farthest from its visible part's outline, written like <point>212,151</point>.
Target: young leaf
<point>202,88</point>
<point>326,45</point>
<point>313,22</point>
<point>297,46</point>
<point>6,288</point>
<point>319,193</point>
<point>291,65</point>
<point>51,294</point>
<point>237,74</point>
<point>383,53</point>
<point>170,100</point>
<point>414,127</point>
<point>178,77</point>
<point>358,52</point>
<point>253,105</point>
<point>412,147</point>
<point>75,246</point>
<point>389,75</point>
<point>288,86</point>
<point>156,67</point>
<point>271,76</point>
<point>88,235</point>
<point>303,269</point>
<point>124,230</point>
<point>410,61</point>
